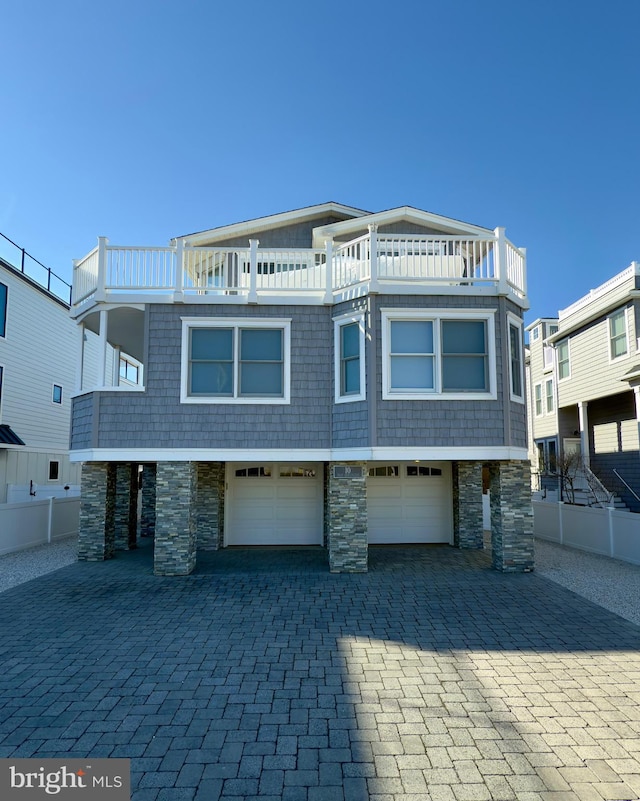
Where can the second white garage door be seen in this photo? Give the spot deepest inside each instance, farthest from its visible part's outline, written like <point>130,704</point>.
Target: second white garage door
<point>409,502</point>
<point>274,504</point>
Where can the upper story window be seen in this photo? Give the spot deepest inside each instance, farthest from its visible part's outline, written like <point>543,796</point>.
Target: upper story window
<point>128,370</point>
<point>349,358</point>
<point>56,395</point>
<point>553,329</point>
<point>618,334</point>
<point>537,392</point>
<point>4,293</point>
<point>547,355</point>
<point>235,361</point>
<point>564,367</point>
<point>549,395</point>
<point>515,360</point>
<point>535,333</point>
<point>438,355</point>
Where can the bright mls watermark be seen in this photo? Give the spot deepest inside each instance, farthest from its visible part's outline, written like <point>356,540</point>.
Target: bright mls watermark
<point>65,779</point>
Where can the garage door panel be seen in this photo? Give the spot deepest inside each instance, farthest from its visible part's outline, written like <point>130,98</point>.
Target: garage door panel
<point>408,508</point>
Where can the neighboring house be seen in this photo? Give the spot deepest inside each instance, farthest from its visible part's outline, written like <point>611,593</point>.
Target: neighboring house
<point>325,376</point>
<point>583,375</point>
<point>37,378</point>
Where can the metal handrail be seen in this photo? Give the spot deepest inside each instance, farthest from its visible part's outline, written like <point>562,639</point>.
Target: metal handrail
<point>595,485</point>
<point>64,295</point>
<point>626,485</point>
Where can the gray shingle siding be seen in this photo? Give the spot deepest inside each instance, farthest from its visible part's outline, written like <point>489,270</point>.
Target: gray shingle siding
<point>81,422</point>
<point>296,235</point>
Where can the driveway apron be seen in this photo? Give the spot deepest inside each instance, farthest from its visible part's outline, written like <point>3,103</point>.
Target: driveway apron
<point>262,675</point>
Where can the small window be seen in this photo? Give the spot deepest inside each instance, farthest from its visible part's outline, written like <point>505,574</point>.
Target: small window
<point>553,329</point>
<point>535,333</point>
<point>537,391</point>
<point>564,367</point>
<point>128,370</point>
<point>57,393</point>
<point>549,395</point>
<point>253,472</point>
<point>349,359</point>
<point>54,470</point>
<point>515,354</point>
<point>548,357</point>
<point>417,470</point>
<point>618,334</point>
<point>384,471</point>
<point>4,292</point>
<point>297,472</point>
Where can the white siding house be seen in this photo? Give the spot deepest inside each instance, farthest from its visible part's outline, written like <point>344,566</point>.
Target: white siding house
<point>38,347</point>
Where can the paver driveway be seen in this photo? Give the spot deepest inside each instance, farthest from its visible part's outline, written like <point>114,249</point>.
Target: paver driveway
<point>264,676</point>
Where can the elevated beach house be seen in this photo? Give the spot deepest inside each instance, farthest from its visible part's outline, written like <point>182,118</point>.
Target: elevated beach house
<point>326,377</point>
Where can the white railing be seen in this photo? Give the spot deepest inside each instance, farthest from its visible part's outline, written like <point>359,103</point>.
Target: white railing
<point>373,259</point>
<point>621,278</point>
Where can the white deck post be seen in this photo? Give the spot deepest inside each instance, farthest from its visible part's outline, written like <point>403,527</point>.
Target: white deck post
<point>253,270</point>
<point>501,261</point>
<point>583,417</point>
<point>80,362</point>
<point>101,289</point>
<point>328,295</point>
<point>374,286</point>
<point>102,351</point>
<point>178,293</point>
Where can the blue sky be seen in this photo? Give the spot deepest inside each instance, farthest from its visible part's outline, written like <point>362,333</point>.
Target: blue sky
<point>143,120</point>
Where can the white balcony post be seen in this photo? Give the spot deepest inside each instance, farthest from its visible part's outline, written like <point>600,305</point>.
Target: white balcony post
<point>501,260</point>
<point>101,287</point>
<point>583,418</point>
<point>178,293</point>
<point>253,270</point>
<point>102,351</point>
<point>328,295</point>
<point>373,258</point>
<point>80,362</point>
<point>524,270</point>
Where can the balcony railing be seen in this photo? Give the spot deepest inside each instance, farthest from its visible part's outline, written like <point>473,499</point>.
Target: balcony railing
<point>372,263</point>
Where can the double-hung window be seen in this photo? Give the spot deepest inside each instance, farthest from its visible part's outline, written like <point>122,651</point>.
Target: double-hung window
<point>549,396</point>
<point>564,367</point>
<point>618,334</point>
<point>349,358</point>
<point>437,354</point>
<point>235,361</point>
<point>537,392</point>
<point>515,359</point>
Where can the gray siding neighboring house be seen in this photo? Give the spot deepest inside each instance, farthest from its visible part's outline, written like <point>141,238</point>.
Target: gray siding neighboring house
<point>325,376</point>
<point>590,355</point>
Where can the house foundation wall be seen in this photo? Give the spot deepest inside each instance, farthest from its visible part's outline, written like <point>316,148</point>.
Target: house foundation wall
<point>210,505</point>
<point>347,517</point>
<point>467,505</point>
<point>96,533</point>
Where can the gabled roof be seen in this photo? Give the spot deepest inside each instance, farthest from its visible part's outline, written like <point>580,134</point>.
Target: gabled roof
<point>402,213</point>
<point>272,221</point>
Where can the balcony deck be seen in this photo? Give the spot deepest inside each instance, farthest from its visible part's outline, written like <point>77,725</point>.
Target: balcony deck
<point>371,263</point>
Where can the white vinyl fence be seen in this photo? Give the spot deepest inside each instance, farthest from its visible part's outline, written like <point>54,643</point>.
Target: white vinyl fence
<point>23,525</point>
<point>604,531</point>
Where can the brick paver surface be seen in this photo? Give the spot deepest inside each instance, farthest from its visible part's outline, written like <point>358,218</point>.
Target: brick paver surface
<point>264,676</point>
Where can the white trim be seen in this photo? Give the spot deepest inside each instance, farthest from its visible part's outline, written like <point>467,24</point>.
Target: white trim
<point>283,324</point>
<point>517,323</point>
<point>535,410</point>
<point>338,323</point>
<point>437,315</point>
<point>431,454</point>
<point>50,462</point>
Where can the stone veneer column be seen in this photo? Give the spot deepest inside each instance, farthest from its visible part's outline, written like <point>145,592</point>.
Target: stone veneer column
<point>96,534</point>
<point>511,516</point>
<point>126,504</point>
<point>148,514</point>
<point>467,505</point>
<point>347,517</point>
<point>174,552</point>
<point>209,505</point>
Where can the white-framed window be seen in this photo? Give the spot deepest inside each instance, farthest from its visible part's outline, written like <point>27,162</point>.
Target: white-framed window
<point>516,365</point>
<point>440,355</point>
<point>553,329</point>
<point>4,297</point>
<point>549,396</point>
<point>547,456</point>
<point>535,333</point>
<point>547,355</point>
<point>128,370</point>
<point>236,360</point>
<point>54,470</point>
<point>564,365</point>
<point>56,395</point>
<point>349,358</point>
<point>618,341</point>
<point>537,396</point>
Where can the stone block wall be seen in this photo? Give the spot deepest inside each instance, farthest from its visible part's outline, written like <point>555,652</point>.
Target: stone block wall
<point>210,505</point>
<point>511,516</point>
<point>176,518</point>
<point>96,534</point>
<point>126,504</point>
<point>148,513</point>
<point>467,505</point>
<point>347,517</point>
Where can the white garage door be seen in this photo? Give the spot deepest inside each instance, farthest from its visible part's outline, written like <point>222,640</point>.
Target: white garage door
<point>274,504</point>
<point>409,502</point>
